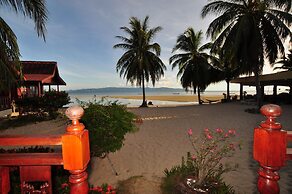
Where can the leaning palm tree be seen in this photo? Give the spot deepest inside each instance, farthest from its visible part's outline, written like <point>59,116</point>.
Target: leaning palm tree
<point>192,62</point>
<point>286,62</point>
<point>140,63</point>
<point>252,30</point>
<point>9,51</point>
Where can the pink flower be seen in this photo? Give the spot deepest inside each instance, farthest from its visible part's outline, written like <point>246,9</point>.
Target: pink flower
<point>219,130</point>
<point>99,189</point>
<point>226,135</point>
<point>209,136</point>
<point>109,188</point>
<point>64,185</point>
<point>206,130</point>
<point>231,132</point>
<point>193,157</point>
<point>190,132</point>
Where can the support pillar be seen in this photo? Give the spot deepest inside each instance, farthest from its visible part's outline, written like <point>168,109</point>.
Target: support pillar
<point>275,91</point>
<point>75,151</point>
<point>269,149</point>
<point>241,91</point>
<point>39,89</point>
<point>4,180</point>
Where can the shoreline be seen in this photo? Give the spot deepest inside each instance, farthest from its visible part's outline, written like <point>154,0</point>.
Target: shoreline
<point>172,98</point>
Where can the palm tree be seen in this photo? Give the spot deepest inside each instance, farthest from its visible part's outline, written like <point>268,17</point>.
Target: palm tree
<point>194,68</point>
<point>228,70</point>
<point>286,62</point>
<point>252,30</point>
<point>9,50</point>
<point>141,60</point>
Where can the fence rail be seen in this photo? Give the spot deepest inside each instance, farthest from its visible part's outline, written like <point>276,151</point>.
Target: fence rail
<point>74,157</point>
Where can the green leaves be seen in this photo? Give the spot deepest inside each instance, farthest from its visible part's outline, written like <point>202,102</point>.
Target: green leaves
<point>107,124</point>
<point>194,69</point>
<point>9,51</point>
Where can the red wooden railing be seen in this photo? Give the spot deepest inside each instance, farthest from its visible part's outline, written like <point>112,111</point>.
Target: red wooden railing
<point>33,167</point>
<point>270,149</point>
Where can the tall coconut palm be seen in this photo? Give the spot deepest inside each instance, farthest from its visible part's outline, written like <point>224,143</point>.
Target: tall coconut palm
<point>252,30</point>
<point>9,50</point>
<point>286,62</point>
<point>140,63</point>
<point>228,69</point>
<point>192,62</point>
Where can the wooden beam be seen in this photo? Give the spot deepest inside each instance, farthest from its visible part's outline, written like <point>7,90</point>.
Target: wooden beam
<point>21,140</point>
<point>31,159</point>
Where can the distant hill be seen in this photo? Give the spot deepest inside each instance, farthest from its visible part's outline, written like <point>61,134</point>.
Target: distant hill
<point>118,90</point>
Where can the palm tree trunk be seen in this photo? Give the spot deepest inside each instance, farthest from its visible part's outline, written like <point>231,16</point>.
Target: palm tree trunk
<point>228,89</point>
<point>258,89</point>
<point>144,103</point>
<point>199,96</point>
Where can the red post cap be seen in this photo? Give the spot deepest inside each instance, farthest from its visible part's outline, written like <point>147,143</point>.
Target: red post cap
<point>271,111</point>
<point>74,113</point>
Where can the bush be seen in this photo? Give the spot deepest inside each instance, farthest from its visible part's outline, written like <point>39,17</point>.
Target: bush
<point>49,103</point>
<point>53,100</point>
<point>108,124</point>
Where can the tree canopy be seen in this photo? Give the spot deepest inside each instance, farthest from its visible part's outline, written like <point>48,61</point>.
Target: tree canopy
<point>140,63</point>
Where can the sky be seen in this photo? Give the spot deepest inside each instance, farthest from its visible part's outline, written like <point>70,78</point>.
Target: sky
<point>81,34</point>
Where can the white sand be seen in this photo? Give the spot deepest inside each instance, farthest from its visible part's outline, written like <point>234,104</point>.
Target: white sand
<point>162,141</point>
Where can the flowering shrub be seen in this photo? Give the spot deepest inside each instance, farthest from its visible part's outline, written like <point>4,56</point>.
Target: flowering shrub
<point>209,150</point>
<point>203,168</point>
<point>103,189</point>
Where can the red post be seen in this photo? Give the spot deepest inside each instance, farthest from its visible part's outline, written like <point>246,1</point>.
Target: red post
<point>76,153</point>
<point>269,149</point>
<point>4,180</point>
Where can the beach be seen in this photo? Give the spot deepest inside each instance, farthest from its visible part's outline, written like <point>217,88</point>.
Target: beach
<point>162,141</point>
<point>173,98</point>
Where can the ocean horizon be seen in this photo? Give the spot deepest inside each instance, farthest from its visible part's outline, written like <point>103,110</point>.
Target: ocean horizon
<point>97,94</point>
<point>91,95</point>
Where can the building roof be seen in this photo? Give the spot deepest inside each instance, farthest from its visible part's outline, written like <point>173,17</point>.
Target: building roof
<point>283,78</point>
<point>45,72</point>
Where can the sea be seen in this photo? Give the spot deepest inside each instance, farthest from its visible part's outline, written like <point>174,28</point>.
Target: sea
<point>97,95</point>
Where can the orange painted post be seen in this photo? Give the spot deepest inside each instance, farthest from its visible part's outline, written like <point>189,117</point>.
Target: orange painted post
<point>76,153</point>
<point>269,149</point>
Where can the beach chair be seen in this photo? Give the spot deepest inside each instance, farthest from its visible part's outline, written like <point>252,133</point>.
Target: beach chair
<point>207,101</point>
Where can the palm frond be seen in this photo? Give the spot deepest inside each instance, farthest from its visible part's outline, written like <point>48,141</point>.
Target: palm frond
<point>141,60</point>
<point>34,9</point>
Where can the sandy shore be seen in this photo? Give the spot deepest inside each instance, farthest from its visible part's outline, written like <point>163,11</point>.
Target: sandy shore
<point>162,141</point>
<point>174,98</point>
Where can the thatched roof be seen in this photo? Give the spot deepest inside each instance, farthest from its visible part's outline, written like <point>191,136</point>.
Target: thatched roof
<point>281,79</point>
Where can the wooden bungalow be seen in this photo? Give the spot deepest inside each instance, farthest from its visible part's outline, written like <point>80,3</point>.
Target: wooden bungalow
<point>36,75</point>
<point>275,79</point>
